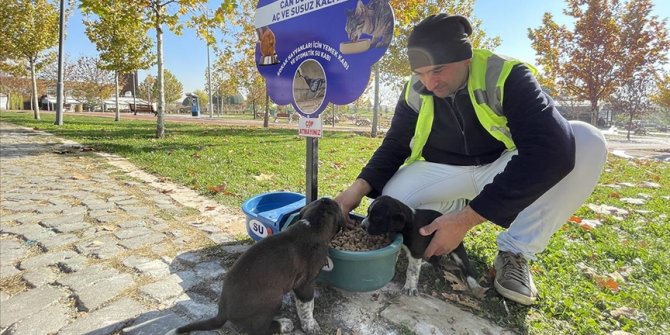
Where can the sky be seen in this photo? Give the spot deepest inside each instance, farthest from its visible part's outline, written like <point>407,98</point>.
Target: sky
<point>186,55</point>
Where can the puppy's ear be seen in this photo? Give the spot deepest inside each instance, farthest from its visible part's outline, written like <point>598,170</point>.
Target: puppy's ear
<point>398,221</point>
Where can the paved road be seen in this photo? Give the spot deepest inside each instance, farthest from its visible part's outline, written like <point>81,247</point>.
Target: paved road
<point>89,244</point>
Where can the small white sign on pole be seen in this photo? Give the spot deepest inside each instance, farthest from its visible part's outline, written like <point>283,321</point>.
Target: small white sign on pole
<point>310,126</point>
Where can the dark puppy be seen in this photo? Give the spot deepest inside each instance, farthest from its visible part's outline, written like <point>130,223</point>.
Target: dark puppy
<point>389,215</point>
<point>254,285</point>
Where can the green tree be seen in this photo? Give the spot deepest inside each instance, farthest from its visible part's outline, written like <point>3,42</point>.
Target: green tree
<point>167,13</point>
<point>145,89</point>
<point>90,82</point>
<point>632,98</point>
<point>28,34</point>
<point>236,65</point>
<point>203,97</point>
<point>394,66</point>
<point>662,97</point>
<point>120,35</point>
<point>172,14</point>
<point>173,88</point>
<point>610,45</point>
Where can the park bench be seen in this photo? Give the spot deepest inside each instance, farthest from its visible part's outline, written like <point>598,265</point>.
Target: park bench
<point>281,115</point>
<point>138,108</point>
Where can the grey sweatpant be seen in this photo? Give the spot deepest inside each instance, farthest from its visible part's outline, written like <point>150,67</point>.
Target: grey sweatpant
<point>445,188</point>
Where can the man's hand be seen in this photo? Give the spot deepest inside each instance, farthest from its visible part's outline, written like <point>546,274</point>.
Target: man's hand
<point>350,198</point>
<point>450,230</point>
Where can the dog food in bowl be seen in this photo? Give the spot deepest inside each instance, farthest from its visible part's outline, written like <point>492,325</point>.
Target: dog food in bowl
<point>358,239</point>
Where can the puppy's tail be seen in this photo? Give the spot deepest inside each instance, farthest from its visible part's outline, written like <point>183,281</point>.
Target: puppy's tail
<point>209,324</point>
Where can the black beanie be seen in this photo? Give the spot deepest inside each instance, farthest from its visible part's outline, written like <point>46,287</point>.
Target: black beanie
<point>439,39</point>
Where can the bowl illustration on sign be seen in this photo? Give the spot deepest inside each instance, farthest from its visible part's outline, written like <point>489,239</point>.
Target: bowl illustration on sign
<point>355,47</point>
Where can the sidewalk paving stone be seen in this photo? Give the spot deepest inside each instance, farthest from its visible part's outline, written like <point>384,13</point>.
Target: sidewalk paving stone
<point>48,321</point>
<point>28,303</point>
<point>152,323</point>
<point>107,320</point>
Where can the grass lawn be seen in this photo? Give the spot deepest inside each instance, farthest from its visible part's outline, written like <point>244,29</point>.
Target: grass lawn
<point>607,270</point>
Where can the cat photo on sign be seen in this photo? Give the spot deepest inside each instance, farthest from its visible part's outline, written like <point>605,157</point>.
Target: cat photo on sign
<point>368,26</point>
<point>267,41</point>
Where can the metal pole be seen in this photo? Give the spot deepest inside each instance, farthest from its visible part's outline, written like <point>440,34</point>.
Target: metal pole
<point>375,112</point>
<point>59,88</point>
<point>135,89</point>
<point>209,85</point>
<point>312,170</point>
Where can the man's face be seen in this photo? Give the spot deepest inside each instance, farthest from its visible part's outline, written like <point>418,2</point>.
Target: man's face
<point>444,79</point>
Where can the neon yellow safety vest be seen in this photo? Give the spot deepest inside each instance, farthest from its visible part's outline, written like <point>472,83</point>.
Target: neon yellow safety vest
<point>486,81</point>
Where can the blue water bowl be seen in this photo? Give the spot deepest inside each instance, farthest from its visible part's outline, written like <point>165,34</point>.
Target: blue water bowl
<point>267,213</point>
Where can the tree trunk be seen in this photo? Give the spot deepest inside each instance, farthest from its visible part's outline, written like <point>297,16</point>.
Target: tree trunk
<point>594,112</point>
<point>33,100</point>
<point>117,114</point>
<point>160,126</point>
<point>267,109</point>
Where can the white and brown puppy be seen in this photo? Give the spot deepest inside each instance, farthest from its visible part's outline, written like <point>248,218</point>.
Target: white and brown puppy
<point>290,261</point>
<point>388,215</point>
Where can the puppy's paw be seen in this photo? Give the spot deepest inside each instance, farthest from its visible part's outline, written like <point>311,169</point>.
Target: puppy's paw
<point>410,290</point>
<point>311,327</point>
<point>285,325</point>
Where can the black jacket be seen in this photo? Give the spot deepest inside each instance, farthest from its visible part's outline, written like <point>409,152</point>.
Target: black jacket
<point>544,140</point>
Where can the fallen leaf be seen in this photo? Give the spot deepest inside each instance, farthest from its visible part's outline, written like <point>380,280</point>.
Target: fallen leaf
<point>587,271</point>
<point>575,219</point>
<point>210,208</point>
<point>456,283</point>
<point>479,292</point>
<point>166,191</point>
<point>616,195</point>
<point>263,177</point>
<point>625,312</point>
<point>77,176</point>
<point>590,224</point>
<point>217,189</point>
<point>609,283</point>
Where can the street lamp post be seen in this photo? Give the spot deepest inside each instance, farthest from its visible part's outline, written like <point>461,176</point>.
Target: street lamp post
<point>59,88</point>
<point>209,85</point>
